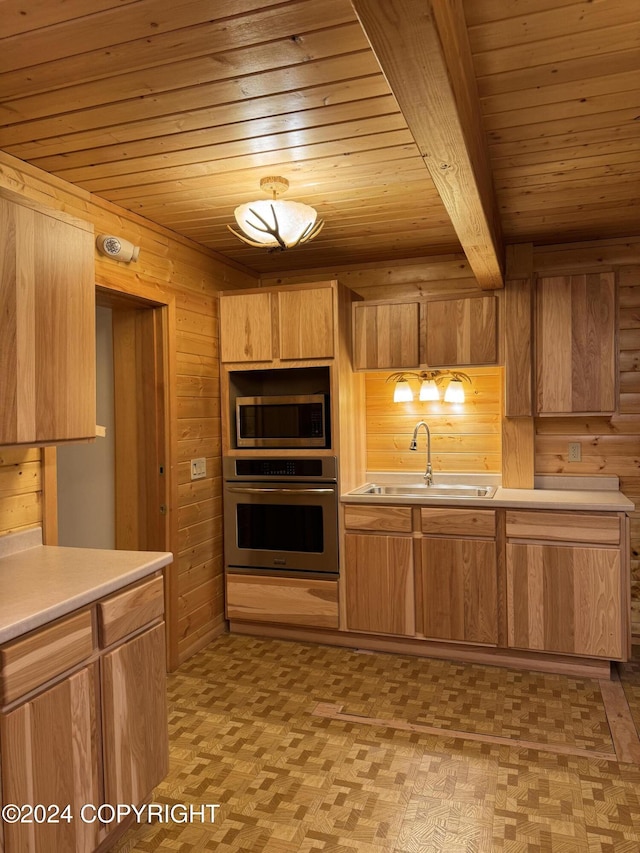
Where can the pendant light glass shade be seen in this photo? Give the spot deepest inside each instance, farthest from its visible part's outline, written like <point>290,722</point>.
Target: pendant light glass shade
<point>454,392</point>
<point>276,224</point>
<point>429,390</point>
<point>402,392</point>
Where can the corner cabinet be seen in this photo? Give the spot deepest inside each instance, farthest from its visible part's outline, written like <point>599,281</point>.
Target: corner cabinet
<point>47,305</point>
<point>292,324</point>
<point>576,345</point>
<point>425,333</point>
<point>84,718</point>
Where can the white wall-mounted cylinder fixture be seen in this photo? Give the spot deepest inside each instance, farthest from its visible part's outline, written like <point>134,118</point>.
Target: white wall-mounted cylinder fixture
<point>117,248</point>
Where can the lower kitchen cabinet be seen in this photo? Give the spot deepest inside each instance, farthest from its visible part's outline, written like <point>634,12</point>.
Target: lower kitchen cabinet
<point>305,602</point>
<point>134,721</point>
<point>83,718</point>
<point>379,584</point>
<point>50,756</point>
<point>459,590</point>
<point>565,599</point>
<point>567,583</point>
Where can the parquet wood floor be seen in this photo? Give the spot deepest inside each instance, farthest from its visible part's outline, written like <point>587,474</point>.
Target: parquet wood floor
<point>244,734</point>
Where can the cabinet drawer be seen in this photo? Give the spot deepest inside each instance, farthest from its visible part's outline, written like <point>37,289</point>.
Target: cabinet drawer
<point>33,660</point>
<point>127,611</point>
<point>564,527</point>
<point>393,518</point>
<point>288,601</point>
<point>458,522</point>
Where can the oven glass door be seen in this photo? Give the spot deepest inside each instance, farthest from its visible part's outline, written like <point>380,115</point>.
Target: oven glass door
<point>288,527</point>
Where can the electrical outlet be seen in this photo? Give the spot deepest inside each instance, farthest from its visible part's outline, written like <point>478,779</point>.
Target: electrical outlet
<point>575,451</point>
<point>198,468</point>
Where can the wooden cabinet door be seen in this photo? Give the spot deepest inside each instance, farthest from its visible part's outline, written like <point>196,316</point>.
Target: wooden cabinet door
<point>305,320</point>
<point>246,327</point>
<point>459,590</point>
<point>379,584</point>
<point>47,346</point>
<point>386,336</point>
<point>575,344</point>
<point>134,724</point>
<point>565,599</point>
<point>461,332</point>
<point>50,755</point>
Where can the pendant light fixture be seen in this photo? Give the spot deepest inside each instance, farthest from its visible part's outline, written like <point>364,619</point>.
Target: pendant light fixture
<point>273,224</point>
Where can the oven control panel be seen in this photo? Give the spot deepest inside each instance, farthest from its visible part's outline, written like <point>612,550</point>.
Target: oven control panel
<point>273,468</point>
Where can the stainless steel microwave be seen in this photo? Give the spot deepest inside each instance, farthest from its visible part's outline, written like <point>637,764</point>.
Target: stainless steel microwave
<point>284,421</point>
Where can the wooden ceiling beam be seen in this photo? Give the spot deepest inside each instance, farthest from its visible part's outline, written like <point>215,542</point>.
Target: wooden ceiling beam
<point>423,49</point>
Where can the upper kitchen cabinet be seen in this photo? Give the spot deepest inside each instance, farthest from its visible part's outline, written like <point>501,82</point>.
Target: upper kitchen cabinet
<point>386,335</point>
<point>576,345</point>
<point>47,305</point>
<point>461,332</point>
<point>425,333</point>
<point>277,324</point>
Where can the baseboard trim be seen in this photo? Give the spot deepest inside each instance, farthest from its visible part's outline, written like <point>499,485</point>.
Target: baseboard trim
<point>575,667</point>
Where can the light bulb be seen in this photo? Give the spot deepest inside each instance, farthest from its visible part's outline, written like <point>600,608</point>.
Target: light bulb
<point>429,390</point>
<point>402,393</point>
<point>454,392</point>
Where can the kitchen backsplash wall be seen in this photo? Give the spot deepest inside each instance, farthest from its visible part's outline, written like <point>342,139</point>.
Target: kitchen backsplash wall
<point>20,488</point>
<point>465,437</point>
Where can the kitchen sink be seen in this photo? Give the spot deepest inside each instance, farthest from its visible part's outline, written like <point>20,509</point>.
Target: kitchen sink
<point>461,490</point>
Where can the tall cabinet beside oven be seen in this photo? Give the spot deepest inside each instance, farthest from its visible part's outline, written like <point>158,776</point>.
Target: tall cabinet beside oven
<point>290,340</point>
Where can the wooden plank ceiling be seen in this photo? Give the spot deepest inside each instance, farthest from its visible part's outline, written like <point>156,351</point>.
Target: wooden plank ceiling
<point>176,108</point>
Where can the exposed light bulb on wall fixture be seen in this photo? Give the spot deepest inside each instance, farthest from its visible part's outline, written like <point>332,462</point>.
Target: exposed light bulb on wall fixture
<point>402,392</point>
<point>454,392</point>
<point>429,390</point>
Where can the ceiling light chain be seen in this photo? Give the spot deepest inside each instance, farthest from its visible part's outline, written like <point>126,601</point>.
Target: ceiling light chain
<point>430,380</point>
<point>292,223</point>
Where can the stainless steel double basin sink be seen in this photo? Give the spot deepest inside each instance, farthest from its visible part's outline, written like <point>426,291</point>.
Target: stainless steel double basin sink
<point>421,490</point>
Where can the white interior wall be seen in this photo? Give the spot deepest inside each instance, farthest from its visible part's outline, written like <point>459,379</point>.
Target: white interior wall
<point>86,472</point>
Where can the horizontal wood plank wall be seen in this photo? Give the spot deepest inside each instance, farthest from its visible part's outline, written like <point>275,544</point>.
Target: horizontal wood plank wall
<point>464,437</point>
<point>172,267</point>
<point>20,488</point>
<point>609,445</point>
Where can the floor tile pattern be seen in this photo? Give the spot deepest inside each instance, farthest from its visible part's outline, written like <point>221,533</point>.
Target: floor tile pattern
<point>243,735</point>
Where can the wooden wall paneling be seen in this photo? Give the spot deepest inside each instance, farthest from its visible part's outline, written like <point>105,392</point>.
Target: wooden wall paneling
<point>179,274</point>
<point>464,437</point>
<point>19,508</point>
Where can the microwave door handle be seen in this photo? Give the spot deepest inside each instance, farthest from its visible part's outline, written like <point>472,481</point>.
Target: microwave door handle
<point>253,491</point>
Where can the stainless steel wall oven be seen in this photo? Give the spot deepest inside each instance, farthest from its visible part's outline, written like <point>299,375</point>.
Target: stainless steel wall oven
<point>281,516</point>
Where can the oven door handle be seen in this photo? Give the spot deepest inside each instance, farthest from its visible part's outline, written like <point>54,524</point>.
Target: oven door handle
<point>245,490</point>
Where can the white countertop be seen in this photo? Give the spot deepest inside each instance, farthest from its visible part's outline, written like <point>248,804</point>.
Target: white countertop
<point>39,583</point>
<point>602,496</point>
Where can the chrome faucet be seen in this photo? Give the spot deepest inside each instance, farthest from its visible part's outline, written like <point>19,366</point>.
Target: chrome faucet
<point>428,474</point>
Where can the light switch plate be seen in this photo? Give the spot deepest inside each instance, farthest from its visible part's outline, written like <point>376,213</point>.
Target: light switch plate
<point>198,468</point>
